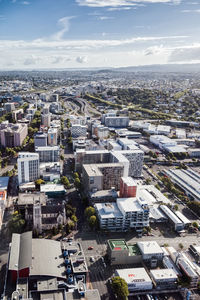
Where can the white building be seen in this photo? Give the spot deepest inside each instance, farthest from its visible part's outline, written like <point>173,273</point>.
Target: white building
<point>125,214</point>
<point>164,278</point>
<point>178,224</point>
<point>162,141</point>
<point>150,250</point>
<point>28,167</point>
<point>136,278</point>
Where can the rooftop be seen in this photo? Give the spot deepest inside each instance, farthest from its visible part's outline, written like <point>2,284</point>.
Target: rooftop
<point>150,247</point>
<point>134,275</point>
<point>163,274</point>
<point>117,245</point>
<point>4,183</point>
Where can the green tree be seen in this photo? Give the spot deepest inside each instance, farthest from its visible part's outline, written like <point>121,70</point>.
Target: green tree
<point>176,207</point>
<point>76,175</point>
<point>181,246</point>
<point>93,222</point>
<point>17,223</point>
<point>62,157</point>
<point>195,224</point>
<point>65,182</point>
<point>120,288</point>
<point>89,211</point>
<point>38,182</point>
<point>77,183</point>
<point>74,219</point>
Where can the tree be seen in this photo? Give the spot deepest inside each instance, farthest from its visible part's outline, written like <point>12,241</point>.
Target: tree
<point>176,207</point>
<point>89,211</point>
<point>74,219</point>
<point>181,246</point>
<point>93,222</point>
<point>17,223</point>
<point>120,288</point>
<point>65,181</point>
<point>77,183</point>
<point>38,182</point>
<point>62,157</point>
<point>76,175</point>
<point>195,224</point>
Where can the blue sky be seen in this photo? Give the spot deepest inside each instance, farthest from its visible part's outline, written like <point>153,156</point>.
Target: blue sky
<point>98,33</point>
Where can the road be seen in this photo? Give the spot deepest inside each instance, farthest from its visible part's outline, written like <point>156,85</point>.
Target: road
<point>6,169</point>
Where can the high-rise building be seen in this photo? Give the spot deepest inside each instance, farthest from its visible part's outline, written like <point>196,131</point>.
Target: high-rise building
<point>12,135</point>
<point>48,154</point>
<point>28,167</point>
<point>40,139</point>
<point>78,130</point>
<point>46,120</point>
<point>52,137</point>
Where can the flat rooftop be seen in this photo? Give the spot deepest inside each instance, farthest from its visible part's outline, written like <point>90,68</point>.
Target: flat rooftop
<point>134,250</point>
<point>134,275</point>
<point>118,245</point>
<point>4,183</point>
<point>150,247</point>
<point>163,274</point>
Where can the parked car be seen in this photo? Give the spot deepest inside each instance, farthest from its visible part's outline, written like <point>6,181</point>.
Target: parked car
<point>90,248</point>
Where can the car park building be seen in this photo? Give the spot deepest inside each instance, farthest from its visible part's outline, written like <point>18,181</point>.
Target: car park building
<point>120,253</point>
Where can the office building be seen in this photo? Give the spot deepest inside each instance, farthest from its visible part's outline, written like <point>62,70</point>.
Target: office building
<point>128,187</point>
<point>164,278</point>
<point>28,167</point>
<point>49,153</point>
<point>40,139</point>
<point>45,110</point>
<point>18,114</point>
<point>52,137</point>
<point>78,130</point>
<point>151,250</point>
<point>12,135</point>
<point>137,279</point>
<point>9,107</point>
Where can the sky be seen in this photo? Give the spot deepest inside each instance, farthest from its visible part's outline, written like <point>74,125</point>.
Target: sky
<point>52,34</point>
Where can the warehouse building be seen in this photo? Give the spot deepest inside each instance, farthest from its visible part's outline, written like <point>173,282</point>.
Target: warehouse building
<point>151,252</point>
<point>177,223</point>
<point>188,180</point>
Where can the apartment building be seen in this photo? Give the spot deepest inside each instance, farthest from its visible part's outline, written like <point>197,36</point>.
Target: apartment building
<point>133,158</point>
<point>128,187</point>
<point>28,167</point>
<point>12,135</point>
<point>102,176</point>
<point>90,157</point>
<point>125,214</point>
<point>48,154</point>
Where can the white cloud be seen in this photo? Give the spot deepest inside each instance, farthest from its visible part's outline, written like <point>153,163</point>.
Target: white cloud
<point>189,53</point>
<point>25,2</point>
<point>121,8</point>
<point>14,1</point>
<point>102,18</point>
<point>82,59</point>
<point>118,3</point>
<point>64,23</point>
<point>191,11</point>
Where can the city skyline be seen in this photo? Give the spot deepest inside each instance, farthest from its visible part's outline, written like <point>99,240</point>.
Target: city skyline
<point>98,33</point>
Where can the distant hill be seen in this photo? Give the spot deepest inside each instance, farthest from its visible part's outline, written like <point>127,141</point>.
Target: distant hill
<point>182,68</point>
